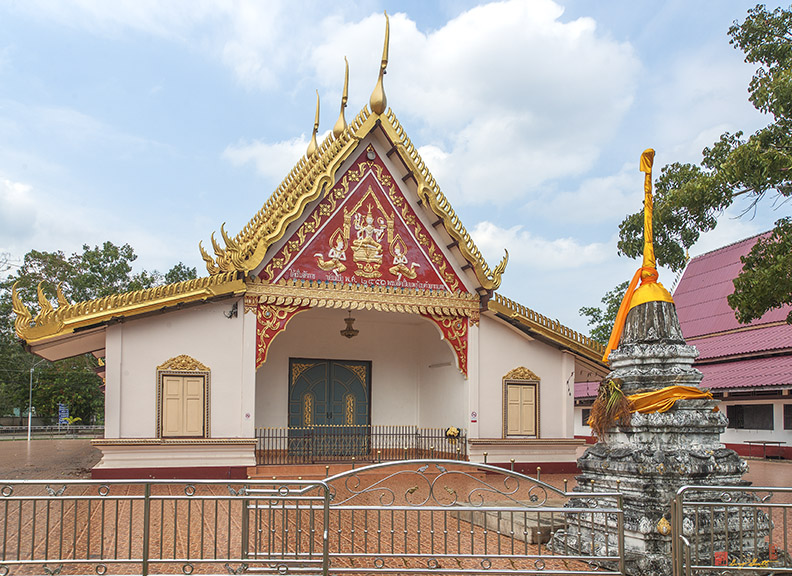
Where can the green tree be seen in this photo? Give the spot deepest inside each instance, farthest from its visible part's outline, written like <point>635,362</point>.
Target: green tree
<point>179,273</point>
<point>602,319</point>
<point>689,198</point>
<point>95,272</point>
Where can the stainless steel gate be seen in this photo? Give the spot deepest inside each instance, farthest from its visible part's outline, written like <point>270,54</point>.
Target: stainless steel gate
<point>418,516</point>
<point>730,529</point>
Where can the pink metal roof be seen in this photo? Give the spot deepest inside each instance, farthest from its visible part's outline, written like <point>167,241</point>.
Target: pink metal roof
<point>701,294</point>
<point>753,373</point>
<point>763,339</point>
<point>586,389</point>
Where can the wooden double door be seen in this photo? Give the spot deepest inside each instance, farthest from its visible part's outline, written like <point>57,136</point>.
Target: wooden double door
<point>329,407</point>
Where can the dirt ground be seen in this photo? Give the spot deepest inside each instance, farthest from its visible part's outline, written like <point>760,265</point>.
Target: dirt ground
<point>47,459</point>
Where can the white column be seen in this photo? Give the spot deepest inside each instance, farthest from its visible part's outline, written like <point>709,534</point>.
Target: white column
<point>567,391</point>
<point>248,374</point>
<point>114,360</point>
<point>474,379</point>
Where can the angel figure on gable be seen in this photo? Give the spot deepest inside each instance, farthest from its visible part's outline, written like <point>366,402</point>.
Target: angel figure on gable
<point>400,261</point>
<point>335,256</point>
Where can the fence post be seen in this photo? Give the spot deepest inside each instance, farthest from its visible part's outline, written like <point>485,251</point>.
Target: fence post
<point>326,531</point>
<point>620,528</point>
<point>245,525</point>
<point>146,527</point>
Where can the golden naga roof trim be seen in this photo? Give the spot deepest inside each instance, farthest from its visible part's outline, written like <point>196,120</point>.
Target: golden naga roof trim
<point>317,294</point>
<point>549,329</point>
<point>67,317</point>
<point>429,191</point>
<point>303,185</point>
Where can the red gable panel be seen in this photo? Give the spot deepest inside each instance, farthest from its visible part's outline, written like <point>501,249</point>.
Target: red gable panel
<point>364,232</point>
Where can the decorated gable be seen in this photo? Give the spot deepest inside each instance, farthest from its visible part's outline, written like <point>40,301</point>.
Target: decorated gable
<point>364,232</point>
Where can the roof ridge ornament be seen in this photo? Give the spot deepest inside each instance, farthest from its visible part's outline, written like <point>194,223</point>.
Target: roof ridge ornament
<point>378,101</point>
<point>341,124</point>
<point>313,146</point>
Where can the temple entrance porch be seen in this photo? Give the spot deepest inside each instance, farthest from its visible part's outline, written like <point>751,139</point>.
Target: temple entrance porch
<point>390,392</point>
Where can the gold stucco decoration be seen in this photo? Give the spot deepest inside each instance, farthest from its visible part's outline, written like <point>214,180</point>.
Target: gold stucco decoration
<point>183,363</point>
<point>305,183</point>
<point>316,294</point>
<point>664,527</point>
<point>522,373</point>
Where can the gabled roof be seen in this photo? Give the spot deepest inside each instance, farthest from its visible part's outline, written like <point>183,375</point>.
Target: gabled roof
<point>701,294</point>
<point>70,318</point>
<point>312,175</point>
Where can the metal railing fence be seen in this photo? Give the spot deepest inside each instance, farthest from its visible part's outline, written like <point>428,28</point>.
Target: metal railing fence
<point>342,443</point>
<point>62,431</point>
<point>730,529</point>
<point>420,516</point>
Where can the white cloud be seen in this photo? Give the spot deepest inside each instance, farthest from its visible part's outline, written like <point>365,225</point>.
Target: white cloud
<point>273,161</point>
<point>534,254</point>
<point>503,89</point>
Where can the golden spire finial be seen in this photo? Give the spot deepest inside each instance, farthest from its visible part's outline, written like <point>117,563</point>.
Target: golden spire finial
<point>341,124</point>
<point>313,145</point>
<point>378,102</point>
<point>647,159</point>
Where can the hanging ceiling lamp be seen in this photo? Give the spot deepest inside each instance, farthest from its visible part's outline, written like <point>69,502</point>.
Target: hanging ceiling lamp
<point>349,331</point>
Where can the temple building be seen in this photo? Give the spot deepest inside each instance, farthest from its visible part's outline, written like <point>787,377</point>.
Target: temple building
<point>349,318</point>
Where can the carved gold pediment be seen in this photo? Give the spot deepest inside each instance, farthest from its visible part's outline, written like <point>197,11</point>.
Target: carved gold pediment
<point>183,363</point>
<point>522,373</point>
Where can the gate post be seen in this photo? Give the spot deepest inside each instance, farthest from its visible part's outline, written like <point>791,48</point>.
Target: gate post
<point>326,530</point>
<point>245,526</point>
<point>146,527</point>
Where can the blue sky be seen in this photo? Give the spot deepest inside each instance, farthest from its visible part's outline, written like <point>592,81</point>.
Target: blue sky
<point>152,123</point>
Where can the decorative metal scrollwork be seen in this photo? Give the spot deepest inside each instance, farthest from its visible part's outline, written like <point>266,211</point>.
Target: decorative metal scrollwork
<point>486,563</point>
<point>103,490</point>
<point>7,490</point>
<point>379,563</point>
<point>3,570</point>
<point>53,492</point>
<point>100,569</point>
<point>240,570</point>
<point>54,571</point>
<point>188,568</point>
<point>189,490</point>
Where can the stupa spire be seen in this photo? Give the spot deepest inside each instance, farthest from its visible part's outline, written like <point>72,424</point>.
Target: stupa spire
<point>650,289</point>
<point>341,124</point>
<point>312,146</point>
<point>378,101</point>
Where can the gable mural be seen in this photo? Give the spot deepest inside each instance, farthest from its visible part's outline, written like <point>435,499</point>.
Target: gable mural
<point>364,232</point>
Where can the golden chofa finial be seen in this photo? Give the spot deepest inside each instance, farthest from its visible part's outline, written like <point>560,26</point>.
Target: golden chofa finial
<point>378,102</point>
<point>341,124</point>
<point>313,145</point>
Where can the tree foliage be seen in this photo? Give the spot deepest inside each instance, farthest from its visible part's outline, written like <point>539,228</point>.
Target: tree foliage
<point>689,198</point>
<point>602,319</point>
<point>95,272</point>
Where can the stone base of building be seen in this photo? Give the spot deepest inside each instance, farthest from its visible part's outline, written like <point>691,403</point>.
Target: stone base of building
<point>552,455</point>
<point>143,458</point>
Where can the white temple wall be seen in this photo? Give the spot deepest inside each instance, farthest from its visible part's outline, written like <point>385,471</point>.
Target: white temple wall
<point>135,349</point>
<point>502,348</point>
<point>400,348</point>
<point>443,391</point>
